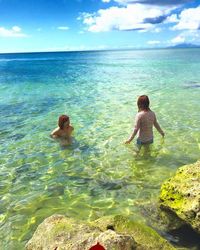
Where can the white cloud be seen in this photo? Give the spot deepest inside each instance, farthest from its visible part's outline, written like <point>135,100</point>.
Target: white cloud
<point>153,29</point>
<point>62,28</point>
<point>178,39</point>
<point>131,17</point>
<point>106,1</point>
<point>157,30</point>
<point>15,31</point>
<point>172,19</point>
<point>189,19</point>
<point>154,42</point>
<point>189,36</point>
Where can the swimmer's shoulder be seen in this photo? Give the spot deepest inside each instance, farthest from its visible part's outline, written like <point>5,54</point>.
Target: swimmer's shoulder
<point>143,115</point>
<point>140,114</point>
<point>152,113</point>
<point>147,113</point>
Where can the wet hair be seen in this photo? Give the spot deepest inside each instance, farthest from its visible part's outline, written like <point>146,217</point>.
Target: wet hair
<point>143,103</point>
<point>61,121</point>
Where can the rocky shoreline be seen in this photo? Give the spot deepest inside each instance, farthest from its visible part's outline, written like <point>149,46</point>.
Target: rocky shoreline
<point>179,198</point>
<point>181,195</point>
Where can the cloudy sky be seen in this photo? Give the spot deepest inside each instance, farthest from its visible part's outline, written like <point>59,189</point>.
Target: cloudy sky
<point>54,25</point>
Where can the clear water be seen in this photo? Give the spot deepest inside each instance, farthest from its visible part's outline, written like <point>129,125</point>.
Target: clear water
<point>97,175</point>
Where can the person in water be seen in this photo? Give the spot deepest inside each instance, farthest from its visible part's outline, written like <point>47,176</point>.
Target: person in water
<point>64,129</point>
<point>144,122</point>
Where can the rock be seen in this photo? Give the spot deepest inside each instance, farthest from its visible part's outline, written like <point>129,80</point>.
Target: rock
<point>160,219</point>
<point>59,232</point>
<point>113,233</point>
<point>181,195</point>
<point>145,237</point>
<point>111,240</point>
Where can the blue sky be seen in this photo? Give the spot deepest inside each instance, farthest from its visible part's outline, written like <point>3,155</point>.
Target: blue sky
<point>57,25</point>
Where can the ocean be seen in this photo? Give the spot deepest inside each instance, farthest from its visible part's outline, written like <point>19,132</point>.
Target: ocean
<point>98,174</point>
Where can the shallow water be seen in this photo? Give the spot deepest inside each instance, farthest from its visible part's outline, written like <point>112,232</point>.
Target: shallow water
<point>97,175</point>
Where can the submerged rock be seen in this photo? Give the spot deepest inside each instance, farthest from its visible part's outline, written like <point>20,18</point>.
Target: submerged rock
<point>192,86</point>
<point>181,195</point>
<point>160,219</point>
<point>113,233</point>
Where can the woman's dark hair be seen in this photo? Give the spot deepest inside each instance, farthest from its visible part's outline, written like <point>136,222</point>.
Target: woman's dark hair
<point>143,103</point>
<point>62,119</point>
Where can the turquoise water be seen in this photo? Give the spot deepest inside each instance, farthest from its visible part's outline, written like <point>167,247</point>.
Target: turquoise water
<point>97,175</point>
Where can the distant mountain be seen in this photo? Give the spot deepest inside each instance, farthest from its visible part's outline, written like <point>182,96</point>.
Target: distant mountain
<point>185,45</point>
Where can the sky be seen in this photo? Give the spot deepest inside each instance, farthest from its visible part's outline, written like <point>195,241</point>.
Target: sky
<point>62,25</point>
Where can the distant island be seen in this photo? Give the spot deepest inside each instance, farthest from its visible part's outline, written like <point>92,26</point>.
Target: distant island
<point>185,45</point>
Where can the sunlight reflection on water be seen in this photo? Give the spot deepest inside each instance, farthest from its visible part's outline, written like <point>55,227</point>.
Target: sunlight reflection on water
<point>96,175</point>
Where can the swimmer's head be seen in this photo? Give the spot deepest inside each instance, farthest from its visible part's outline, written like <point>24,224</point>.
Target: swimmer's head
<point>63,121</point>
<point>143,103</point>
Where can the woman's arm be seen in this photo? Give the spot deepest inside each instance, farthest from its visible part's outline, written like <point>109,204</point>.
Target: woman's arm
<point>135,130</point>
<point>132,136</point>
<point>55,133</point>
<point>157,126</point>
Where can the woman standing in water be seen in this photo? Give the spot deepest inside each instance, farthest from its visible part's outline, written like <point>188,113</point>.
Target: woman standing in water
<point>144,122</point>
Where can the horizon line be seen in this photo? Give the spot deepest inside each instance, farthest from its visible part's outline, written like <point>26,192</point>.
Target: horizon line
<point>99,50</point>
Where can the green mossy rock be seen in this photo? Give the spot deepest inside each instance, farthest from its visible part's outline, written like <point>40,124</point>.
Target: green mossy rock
<point>114,233</point>
<point>181,195</point>
<point>146,237</point>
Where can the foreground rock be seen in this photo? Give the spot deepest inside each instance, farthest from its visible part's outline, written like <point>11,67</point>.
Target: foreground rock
<point>114,233</point>
<point>181,195</point>
<point>145,237</point>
